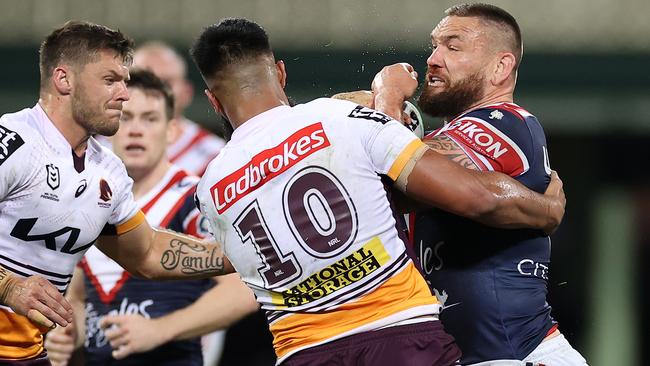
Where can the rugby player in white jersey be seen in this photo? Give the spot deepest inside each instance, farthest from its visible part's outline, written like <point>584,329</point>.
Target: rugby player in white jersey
<point>61,192</point>
<point>297,200</point>
<point>192,147</point>
<point>148,322</point>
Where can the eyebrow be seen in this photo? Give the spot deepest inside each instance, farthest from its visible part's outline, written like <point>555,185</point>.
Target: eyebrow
<point>446,39</point>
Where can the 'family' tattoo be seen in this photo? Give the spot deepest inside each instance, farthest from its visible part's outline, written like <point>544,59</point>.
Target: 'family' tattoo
<point>445,146</point>
<point>192,258</point>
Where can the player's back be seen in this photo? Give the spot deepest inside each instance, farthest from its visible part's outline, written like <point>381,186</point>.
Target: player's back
<point>296,198</point>
<point>492,282</point>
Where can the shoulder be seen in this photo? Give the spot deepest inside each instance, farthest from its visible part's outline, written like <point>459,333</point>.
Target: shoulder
<point>18,134</point>
<point>500,113</point>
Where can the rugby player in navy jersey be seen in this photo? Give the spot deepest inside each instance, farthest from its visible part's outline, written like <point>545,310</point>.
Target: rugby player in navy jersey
<point>149,322</point>
<point>492,282</point>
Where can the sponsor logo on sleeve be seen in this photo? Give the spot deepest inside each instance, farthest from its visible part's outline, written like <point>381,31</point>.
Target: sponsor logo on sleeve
<point>10,141</point>
<point>268,164</point>
<point>489,142</point>
<point>371,114</point>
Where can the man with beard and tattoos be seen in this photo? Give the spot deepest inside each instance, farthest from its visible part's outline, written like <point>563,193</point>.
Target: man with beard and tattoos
<point>492,282</point>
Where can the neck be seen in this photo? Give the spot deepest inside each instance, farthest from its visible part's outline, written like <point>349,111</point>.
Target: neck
<point>57,109</point>
<point>246,104</point>
<point>498,96</point>
<point>144,181</point>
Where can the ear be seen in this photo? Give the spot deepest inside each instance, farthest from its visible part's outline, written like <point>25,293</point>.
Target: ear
<point>62,79</point>
<point>173,131</point>
<point>282,73</point>
<point>504,68</point>
<point>218,108</point>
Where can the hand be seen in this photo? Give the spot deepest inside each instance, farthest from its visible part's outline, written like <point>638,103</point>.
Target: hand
<point>36,298</point>
<point>59,344</point>
<point>361,97</point>
<point>399,80</point>
<point>556,209</point>
<point>132,333</point>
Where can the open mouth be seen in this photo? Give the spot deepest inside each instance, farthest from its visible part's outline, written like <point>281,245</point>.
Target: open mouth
<point>435,81</point>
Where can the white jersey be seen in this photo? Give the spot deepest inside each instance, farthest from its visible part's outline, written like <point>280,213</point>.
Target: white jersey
<point>53,206</point>
<point>297,199</point>
<point>194,148</point>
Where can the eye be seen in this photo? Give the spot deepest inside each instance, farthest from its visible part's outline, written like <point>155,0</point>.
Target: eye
<point>453,48</point>
<point>109,81</point>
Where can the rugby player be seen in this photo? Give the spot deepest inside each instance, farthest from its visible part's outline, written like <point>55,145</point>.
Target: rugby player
<point>61,192</point>
<point>492,282</point>
<point>192,146</point>
<point>297,200</point>
<point>149,322</point>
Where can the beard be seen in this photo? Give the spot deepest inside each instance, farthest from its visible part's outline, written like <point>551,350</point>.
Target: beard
<point>455,100</point>
<point>91,119</point>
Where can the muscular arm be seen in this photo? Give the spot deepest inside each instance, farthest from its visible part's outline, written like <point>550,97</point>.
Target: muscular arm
<point>491,198</point>
<point>218,308</point>
<point>160,254</point>
<point>445,146</point>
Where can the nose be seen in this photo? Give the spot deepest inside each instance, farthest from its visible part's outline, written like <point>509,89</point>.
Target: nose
<point>435,60</point>
<point>135,129</point>
<point>122,93</point>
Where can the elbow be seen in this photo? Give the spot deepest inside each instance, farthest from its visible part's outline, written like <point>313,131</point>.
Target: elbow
<point>142,272</point>
<point>481,206</point>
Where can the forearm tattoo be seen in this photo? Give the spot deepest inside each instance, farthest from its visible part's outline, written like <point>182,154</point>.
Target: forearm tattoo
<point>192,258</point>
<point>445,146</point>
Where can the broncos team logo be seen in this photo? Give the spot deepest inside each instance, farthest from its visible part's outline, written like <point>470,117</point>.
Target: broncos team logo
<point>105,193</point>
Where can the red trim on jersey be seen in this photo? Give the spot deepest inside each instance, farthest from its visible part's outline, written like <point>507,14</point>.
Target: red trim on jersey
<point>106,298</point>
<point>553,329</point>
<point>412,228</point>
<point>191,228</point>
<point>512,108</point>
<point>199,136</point>
<point>174,210</point>
<point>175,179</point>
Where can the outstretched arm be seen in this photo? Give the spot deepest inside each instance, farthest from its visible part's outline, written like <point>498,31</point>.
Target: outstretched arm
<point>490,198</point>
<point>161,254</point>
<point>218,308</point>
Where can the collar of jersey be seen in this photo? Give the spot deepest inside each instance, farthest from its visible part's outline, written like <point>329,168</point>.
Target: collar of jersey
<point>60,144</point>
<point>250,126</point>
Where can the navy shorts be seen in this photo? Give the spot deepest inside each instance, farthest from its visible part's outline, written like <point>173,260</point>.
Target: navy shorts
<point>419,344</point>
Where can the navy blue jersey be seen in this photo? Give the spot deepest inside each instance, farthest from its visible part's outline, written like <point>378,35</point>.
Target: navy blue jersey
<point>492,282</point>
<point>111,290</point>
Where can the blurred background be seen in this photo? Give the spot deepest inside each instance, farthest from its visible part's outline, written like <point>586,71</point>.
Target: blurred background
<point>584,75</point>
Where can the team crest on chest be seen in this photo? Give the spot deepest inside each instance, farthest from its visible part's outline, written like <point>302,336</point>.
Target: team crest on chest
<point>105,194</point>
<point>53,179</point>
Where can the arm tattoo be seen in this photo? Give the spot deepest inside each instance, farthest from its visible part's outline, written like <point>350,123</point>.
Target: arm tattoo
<point>445,146</point>
<point>192,258</point>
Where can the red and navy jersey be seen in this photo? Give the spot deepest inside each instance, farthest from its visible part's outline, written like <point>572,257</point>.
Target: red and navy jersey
<point>112,290</point>
<point>492,282</point>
